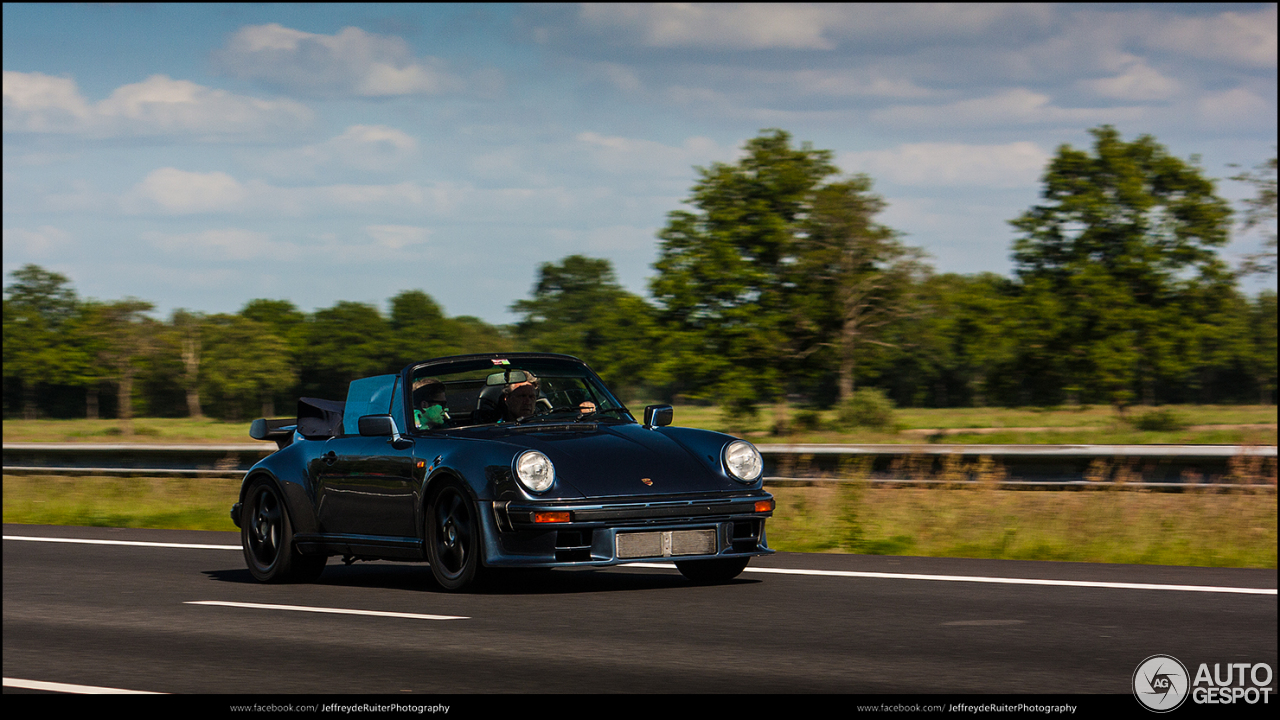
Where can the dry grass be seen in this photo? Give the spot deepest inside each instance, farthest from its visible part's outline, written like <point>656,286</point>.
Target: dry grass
<point>142,502</point>
<point>1197,528</point>
<point>175,431</point>
<point>1206,424</point>
<point>1203,529</point>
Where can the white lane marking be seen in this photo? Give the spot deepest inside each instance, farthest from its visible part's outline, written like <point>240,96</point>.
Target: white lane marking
<point>997,580</point>
<point>134,543</point>
<point>68,688</point>
<point>335,611</point>
<point>786,571</point>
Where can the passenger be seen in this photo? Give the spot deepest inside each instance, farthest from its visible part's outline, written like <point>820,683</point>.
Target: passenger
<point>432,409</point>
<point>586,407</point>
<point>520,399</point>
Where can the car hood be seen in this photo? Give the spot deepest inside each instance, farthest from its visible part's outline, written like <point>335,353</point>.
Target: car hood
<point>614,460</point>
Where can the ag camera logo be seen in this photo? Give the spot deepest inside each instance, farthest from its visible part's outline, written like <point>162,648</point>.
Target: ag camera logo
<point>1160,683</point>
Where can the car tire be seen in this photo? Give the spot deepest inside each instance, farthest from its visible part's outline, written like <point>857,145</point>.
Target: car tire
<point>710,572</point>
<point>266,535</point>
<point>453,538</point>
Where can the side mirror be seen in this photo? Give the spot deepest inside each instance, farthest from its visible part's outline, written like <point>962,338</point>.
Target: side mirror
<point>382,426</point>
<point>658,416</point>
<point>377,425</point>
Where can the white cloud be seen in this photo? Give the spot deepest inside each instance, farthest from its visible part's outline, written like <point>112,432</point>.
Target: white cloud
<point>178,192</point>
<point>1017,106</point>
<point>792,26</point>
<point>379,242</point>
<point>159,105</point>
<point>751,26</point>
<point>1139,82</point>
<point>1247,39</point>
<point>76,196</point>
<point>949,164</point>
<point>35,102</point>
<point>398,237</point>
<point>440,197</point>
<point>1237,108</point>
<point>622,155</point>
<point>44,241</point>
<point>375,148</point>
<point>850,83</point>
<point>351,62</point>
<point>170,191</point>
<point>221,244</point>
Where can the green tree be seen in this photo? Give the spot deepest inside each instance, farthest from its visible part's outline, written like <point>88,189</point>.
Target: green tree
<point>1260,212</point>
<point>40,315</point>
<point>1122,237</point>
<point>282,316</point>
<point>124,338</point>
<point>420,329</point>
<point>244,366</point>
<point>955,344</point>
<point>1262,322</point>
<point>343,343</point>
<point>851,271</point>
<point>185,331</point>
<point>474,335</point>
<point>724,279</point>
<point>289,324</point>
<point>578,308</point>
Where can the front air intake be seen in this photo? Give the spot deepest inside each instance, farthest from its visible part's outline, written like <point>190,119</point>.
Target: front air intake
<point>573,545</point>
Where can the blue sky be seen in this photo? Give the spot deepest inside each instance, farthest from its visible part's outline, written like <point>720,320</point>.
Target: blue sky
<point>199,156</point>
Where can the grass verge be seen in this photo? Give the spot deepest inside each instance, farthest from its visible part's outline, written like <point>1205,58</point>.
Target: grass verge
<point>1204,529</point>
<point>1201,529</point>
<point>1184,424</point>
<point>137,502</point>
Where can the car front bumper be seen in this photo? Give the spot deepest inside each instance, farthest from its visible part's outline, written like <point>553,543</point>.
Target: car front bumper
<point>530,534</point>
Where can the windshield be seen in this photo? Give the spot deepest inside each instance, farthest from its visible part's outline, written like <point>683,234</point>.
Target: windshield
<point>520,390</point>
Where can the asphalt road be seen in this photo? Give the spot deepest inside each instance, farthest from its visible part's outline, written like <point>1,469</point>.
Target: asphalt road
<point>124,617</point>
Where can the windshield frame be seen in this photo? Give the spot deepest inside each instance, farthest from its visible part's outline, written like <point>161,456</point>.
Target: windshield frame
<point>497,362</point>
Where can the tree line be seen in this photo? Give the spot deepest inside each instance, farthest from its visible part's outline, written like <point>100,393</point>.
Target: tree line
<point>777,287</point>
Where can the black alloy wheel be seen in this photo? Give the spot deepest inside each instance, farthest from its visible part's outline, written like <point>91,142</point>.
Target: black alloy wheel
<point>453,538</point>
<point>267,538</point>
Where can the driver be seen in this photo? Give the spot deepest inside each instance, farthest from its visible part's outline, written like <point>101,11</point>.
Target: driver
<point>520,398</point>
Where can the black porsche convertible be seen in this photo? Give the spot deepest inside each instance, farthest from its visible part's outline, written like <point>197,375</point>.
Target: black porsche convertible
<point>479,462</point>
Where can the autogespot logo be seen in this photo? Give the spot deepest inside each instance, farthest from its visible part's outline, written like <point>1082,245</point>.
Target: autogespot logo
<point>1160,683</point>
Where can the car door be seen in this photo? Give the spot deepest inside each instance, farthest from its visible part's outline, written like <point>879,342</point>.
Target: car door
<point>366,486</point>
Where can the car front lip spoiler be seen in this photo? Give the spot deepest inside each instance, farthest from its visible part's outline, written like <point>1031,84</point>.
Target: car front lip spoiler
<point>514,514</point>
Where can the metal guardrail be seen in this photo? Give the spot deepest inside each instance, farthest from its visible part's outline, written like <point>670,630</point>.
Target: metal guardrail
<point>1058,467</point>
<point>225,460</point>
<point>1073,451</point>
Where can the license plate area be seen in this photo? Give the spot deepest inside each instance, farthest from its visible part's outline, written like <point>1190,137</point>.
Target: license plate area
<point>665,543</point>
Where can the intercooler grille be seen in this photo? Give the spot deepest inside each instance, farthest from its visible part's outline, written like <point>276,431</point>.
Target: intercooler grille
<point>666,543</point>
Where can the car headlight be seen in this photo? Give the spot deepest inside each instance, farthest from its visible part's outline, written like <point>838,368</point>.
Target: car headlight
<point>743,461</point>
<point>535,471</point>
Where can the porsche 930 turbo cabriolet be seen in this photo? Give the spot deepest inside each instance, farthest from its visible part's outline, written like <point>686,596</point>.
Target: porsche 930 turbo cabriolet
<point>480,462</point>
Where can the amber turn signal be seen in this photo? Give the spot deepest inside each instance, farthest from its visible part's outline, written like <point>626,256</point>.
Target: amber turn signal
<point>764,505</point>
<point>551,517</point>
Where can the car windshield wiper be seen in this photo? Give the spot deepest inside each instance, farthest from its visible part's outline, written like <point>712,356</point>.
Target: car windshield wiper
<point>622,411</point>
<point>546,416</point>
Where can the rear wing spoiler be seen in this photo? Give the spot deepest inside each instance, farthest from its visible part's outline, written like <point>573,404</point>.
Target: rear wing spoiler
<point>317,420</point>
<point>278,430</point>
